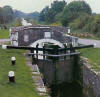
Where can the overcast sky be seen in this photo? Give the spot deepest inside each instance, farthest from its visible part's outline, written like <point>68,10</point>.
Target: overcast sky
<point>37,5</point>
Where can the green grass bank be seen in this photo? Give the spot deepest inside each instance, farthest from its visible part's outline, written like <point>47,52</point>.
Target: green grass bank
<point>4,33</point>
<point>24,86</point>
<point>93,55</point>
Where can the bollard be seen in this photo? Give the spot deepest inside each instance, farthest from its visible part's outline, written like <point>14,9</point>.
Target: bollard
<point>4,46</point>
<point>13,60</point>
<point>11,76</point>
<point>94,44</point>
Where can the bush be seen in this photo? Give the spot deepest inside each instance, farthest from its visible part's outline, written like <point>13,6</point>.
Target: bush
<point>87,23</point>
<point>73,10</point>
<point>80,22</point>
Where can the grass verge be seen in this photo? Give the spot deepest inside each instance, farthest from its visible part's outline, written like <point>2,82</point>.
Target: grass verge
<point>24,86</point>
<point>93,55</point>
<point>4,33</point>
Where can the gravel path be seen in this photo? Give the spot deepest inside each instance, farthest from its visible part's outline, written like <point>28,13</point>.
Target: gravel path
<point>81,41</point>
<point>2,41</point>
<point>90,41</point>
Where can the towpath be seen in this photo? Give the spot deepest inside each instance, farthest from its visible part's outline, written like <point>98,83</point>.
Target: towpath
<point>2,41</point>
<point>89,42</point>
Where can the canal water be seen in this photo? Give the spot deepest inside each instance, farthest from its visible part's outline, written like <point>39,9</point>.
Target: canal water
<point>67,90</point>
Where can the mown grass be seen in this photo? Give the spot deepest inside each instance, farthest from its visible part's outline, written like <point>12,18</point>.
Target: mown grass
<point>24,86</point>
<point>93,55</point>
<point>4,33</point>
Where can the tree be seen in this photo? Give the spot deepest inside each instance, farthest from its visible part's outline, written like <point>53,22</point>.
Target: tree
<point>6,14</point>
<point>81,22</point>
<point>43,13</point>
<point>1,15</point>
<point>95,25</point>
<point>49,14</point>
<point>58,6</point>
<point>73,10</point>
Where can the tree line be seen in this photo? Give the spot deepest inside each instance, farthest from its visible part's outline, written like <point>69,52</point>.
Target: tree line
<point>63,12</point>
<point>9,15</point>
<point>6,14</point>
<point>77,15</point>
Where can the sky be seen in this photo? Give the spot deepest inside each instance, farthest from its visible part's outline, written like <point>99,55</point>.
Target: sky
<point>28,6</point>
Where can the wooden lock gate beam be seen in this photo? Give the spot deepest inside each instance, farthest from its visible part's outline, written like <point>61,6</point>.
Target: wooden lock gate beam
<point>47,49</point>
<point>52,55</point>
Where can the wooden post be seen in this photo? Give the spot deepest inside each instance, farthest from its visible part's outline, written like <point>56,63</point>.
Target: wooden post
<point>44,78</point>
<point>54,59</point>
<point>37,52</point>
<point>33,58</point>
<point>55,50</point>
<point>65,51</point>
<point>76,67</point>
<point>72,48</point>
<point>44,52</point>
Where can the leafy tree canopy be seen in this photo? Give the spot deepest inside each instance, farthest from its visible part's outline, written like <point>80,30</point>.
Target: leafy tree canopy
<point>6,14</point>
<point>73,10</point>
<point>48,14</point>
